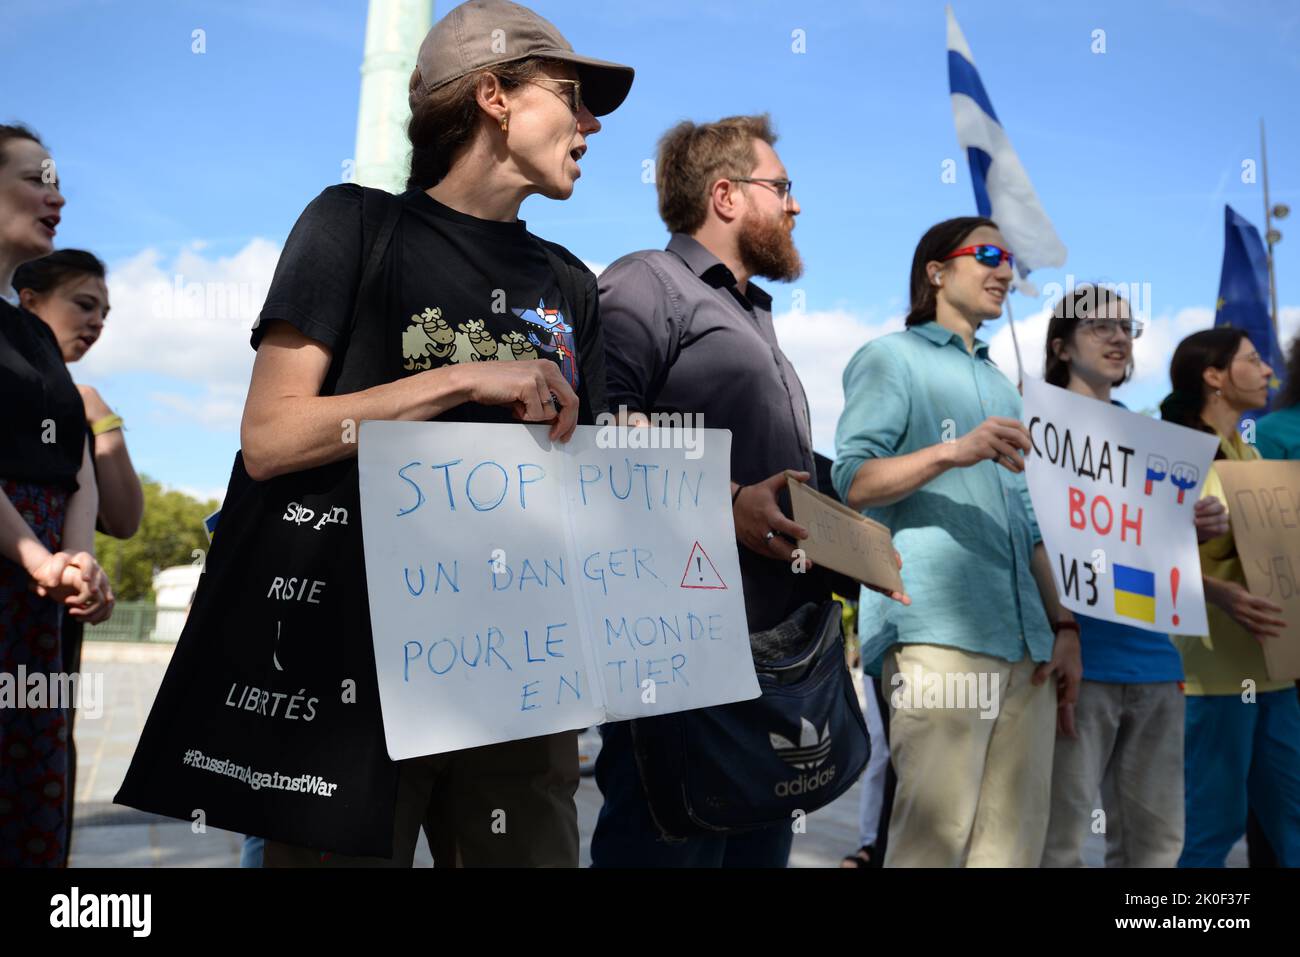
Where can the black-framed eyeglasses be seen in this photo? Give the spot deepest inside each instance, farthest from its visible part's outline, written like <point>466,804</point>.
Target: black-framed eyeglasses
<point>784,188</point>
<point>573,99</point>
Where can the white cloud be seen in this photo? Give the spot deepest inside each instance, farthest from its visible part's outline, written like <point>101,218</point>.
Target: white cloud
<point>219,408</point>
<point>188,319</point>
<point>820,344</point>
<point>1152,352</point>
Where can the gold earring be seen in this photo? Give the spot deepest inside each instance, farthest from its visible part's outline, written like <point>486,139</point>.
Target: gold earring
<point>505,122</point>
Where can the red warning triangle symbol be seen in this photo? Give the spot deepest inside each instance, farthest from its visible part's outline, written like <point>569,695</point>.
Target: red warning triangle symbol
<point>700,572</point>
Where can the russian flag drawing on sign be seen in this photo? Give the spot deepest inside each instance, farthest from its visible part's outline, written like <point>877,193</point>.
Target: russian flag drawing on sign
<point>1002,188</point>
<point>1135,593</point>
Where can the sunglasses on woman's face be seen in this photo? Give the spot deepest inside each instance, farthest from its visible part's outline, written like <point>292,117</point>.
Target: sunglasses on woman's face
<point>572,96</point>
<point>986,254</point>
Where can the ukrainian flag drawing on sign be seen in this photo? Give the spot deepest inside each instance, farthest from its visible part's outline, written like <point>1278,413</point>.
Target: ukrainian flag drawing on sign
<point>1135,593</point>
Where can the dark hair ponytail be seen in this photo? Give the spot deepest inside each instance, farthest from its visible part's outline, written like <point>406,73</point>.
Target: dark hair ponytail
<point>939,240</point>
<point>1207,349</point>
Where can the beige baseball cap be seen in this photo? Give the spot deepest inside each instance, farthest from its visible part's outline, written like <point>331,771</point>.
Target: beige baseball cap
<point>486,33</point>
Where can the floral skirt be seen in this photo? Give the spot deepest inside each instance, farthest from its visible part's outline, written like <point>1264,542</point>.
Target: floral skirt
<point>33,740</point>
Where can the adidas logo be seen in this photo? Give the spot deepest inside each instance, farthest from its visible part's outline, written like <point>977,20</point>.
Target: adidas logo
<point>811,751</point>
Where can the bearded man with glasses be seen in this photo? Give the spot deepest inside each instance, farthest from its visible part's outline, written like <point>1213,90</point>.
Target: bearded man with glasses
<point>687,330</point>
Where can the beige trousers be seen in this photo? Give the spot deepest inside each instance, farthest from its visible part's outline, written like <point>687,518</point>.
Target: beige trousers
<point>971,740</point>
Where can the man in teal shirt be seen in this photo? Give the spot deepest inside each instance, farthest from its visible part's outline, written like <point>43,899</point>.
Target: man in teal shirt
<point>930,443</point>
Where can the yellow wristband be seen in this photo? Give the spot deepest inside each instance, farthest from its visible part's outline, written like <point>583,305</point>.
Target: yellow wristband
<point>107,424</point>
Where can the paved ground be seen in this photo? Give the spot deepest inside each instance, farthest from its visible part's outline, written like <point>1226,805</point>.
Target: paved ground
<point>107,835</point>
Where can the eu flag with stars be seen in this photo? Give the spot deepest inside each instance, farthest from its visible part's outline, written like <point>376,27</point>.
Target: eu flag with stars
<point>1243,292</point>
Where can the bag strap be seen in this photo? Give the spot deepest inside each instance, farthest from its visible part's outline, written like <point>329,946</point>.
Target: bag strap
<point>380,211</point>
<point>381,206</point>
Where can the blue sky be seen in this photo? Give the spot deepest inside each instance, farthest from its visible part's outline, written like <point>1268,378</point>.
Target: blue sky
<point>176,163</point>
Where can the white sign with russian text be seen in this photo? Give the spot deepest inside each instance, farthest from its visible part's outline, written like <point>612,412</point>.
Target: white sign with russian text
<point>1113,492</point>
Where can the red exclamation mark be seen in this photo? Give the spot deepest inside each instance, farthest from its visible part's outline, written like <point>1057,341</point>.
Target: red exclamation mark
<point>1173,589</point>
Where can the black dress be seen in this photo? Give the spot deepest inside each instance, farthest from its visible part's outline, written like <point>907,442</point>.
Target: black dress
<point>41,440</point>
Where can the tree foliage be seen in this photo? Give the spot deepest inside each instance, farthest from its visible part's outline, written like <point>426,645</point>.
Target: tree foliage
<point>169,534</point>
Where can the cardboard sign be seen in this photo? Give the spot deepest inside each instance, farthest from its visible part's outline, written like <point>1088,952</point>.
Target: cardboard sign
<point>519,588</point>
<point>1264,505</point>
<point>1114,493</point>
<point>843,540</point>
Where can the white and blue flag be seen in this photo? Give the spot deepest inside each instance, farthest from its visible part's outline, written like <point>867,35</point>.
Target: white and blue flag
<point>1002,188</point>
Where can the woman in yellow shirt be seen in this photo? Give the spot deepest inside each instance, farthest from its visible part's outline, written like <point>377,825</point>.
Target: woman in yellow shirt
<point>1243,729</point>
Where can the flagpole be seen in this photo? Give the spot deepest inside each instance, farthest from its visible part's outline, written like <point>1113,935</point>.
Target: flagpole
<point>1270,235</point>
<point>1020,365</point>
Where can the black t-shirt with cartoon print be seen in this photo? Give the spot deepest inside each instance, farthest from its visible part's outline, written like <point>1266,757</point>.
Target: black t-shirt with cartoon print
<point>456,289</point>
<point>452,289</point>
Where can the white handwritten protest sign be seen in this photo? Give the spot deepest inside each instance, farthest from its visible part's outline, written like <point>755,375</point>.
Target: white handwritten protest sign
<point>520,588</point>
<point>1113,492</point>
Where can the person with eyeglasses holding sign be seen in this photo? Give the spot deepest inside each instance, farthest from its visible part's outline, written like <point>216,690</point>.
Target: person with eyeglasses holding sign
<point>688,330</point>
<point>1124,736</point>
<point>1242,750</point>
<point>931,444</point>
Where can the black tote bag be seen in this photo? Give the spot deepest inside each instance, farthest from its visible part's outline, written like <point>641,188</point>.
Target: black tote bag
<point>268,719</point>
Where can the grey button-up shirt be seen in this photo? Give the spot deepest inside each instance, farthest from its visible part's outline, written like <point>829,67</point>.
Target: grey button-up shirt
<point>680,336</point>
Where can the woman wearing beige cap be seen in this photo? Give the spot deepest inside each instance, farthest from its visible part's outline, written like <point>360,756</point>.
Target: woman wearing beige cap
<point>502,108</point>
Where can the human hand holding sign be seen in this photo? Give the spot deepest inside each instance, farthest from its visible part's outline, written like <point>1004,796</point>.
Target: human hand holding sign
<point>1002,439</point>
<point>1211,518</point>
<point>531,388</point>
<point>1259,616</point>
<point>901,597</point>
<point>761,526</point>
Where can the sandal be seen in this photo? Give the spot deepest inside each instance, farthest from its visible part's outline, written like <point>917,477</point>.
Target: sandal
<point>862,857</point>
